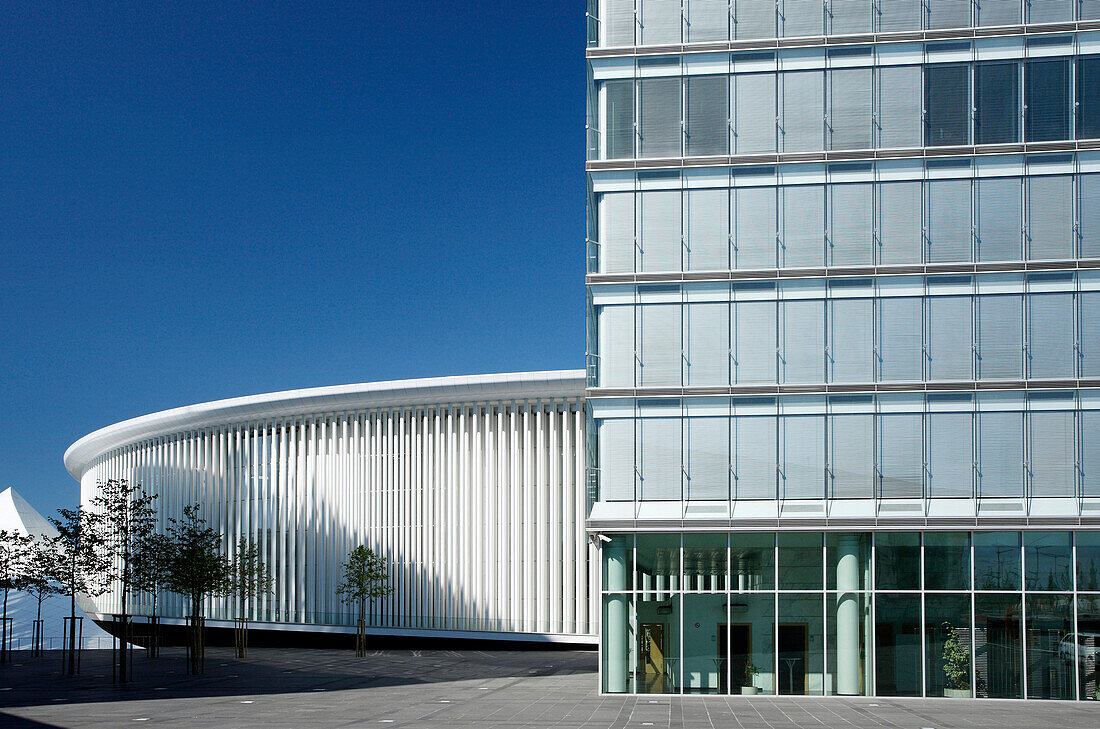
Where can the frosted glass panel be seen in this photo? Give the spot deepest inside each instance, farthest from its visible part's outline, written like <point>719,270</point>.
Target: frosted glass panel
<point>1090,215</point>
<point>754,222</point>
<point>1089,333</point>
<point>949,221</point>
<point>1050,217</point>
<point>999,12</point>
<point>707,122</point>
<point>754,19</point>
<point>899,222</point>
<point>754,97</point>
<point>948,13</point>
<point>1049,11</point>
<point>802,17</point>
<point>900,349</point>
<point>803,111</point>
<point>660,458</point>
<point>895,15</point>
<point>707,334</point>
<point>1000,218</point>
<point>849,124</point>
<point>803,233</point>
<point>1001,454</point>
<point>1052,454</point>
<point>899,106</point>
<point>803,470</point>
<point>950,455</point>
<point>660,351</point>
<point>706,20</point>
<point>802,354</point>
<point>708,458</point>
<point>851,340</point>
<point>618,22</point>
<point>1050,335</point>
<point>620,118</point>
<point>660,22</point>
<point>848,17</point>
<point>1000,320</point>
<point>616,232</point>
<point>901,455</point>
<point>851,456</point>
<point>755,449</point>
<point>754,354</point>
<point>950,349</point>
<point>616,337</point>
<point>706,230</point>
<point>1090,452</point>
<point>616,458</point>
<point>659,120</point>
<point>659,245</point>
<point>851,224</point>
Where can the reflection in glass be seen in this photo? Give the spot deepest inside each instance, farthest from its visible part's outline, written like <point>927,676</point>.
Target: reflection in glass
<point>1088,560</point>
<point>658,563</point>
<point>947,561</point>
<point>618,635</point>
<point>658,670</point>
<point>947,645</point>
<point>1048,561</point>
<point>1087,645</point>
<point>800,640</point>
<point>849,628</point>
<point>848,560</point>
<point>616,556</point>
<point>1049,620</point>
<point>751,642</point>
<point>705,563</point>
<point>705,666</point>
<point>800,561</point>
<point>897,645</point>
<point>997,560</point>
<point>752,558</point>
<point>998,652</point>
<point>897,561</point>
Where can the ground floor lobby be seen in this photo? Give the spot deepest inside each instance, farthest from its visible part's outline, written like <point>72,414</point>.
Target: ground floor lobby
<point>986,614</point>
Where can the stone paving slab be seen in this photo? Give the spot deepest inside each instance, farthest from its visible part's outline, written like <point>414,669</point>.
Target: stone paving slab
<point>447,689</point>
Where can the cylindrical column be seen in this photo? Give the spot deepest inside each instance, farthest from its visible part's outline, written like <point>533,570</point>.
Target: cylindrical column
<point>847,615</point>
<point>615,634</point>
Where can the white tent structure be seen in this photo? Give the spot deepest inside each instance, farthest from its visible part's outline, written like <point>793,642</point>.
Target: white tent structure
<point>17,515</point>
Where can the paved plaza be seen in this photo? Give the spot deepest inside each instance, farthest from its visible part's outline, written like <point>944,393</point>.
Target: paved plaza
<point>315,689</point>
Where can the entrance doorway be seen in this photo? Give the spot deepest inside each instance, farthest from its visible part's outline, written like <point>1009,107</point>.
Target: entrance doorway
<point>737,640</point>
<point>652,656</point>
<point>793,650</point>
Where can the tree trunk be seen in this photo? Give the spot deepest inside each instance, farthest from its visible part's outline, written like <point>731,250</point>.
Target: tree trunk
<point>154,632</point>
<point>36,649</point>
<point>72,625</point>
<point>4,631</point>
<point>123,640</point>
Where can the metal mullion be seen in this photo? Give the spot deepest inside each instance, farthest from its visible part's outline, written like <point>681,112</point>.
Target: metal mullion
<point>1023,613</point>
<point>973,624</point>
<point>923,626</point>
<point>1076,634</point>
<point>824,612</point>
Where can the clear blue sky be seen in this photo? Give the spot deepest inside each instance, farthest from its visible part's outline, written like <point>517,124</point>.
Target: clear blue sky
<point>205,200</point>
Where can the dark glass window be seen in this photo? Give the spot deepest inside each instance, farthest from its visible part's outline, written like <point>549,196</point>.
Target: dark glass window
<point>620,119</point>
<point>996,102</point>
<point>1088,98</point>
<point>1047,99</point>
<point>947,105</point>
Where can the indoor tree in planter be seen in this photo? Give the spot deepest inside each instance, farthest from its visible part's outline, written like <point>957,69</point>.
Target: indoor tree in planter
<point>751,671</point>
<point>956,664</point>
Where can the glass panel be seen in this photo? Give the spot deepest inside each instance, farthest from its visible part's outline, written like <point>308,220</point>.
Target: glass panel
<point>1049,11</point>
<point>801,642</point>
<point>901,339</point>
<point>949,221</point>
<point>657,570</point>
<point>706,20</point>
<point>800,561</point>
<point>950,455</point>
<point>1000,219</point>
<point>998,651</point>
<point>616,345</point>
<point>996,101</point>
<point>851,340</point>
<point>660,243</point>
<point>895,15</point>
<point>950,342</point>
<point>803,128</point>
<point>658,643</point>
<point>1052,462</point>
<point>1088,646</point>
<point>1000,465</point>
<point>848,560</point>
<point>802,475</point>
<point>620,118</point>
<point>618,634</point>
<point>1048,561</point>
<point>754,220</point>
<point>705,644</point>
<point>707,461</point>
<point>948,13</point>
<point>705,563</point>
<point>616,459</point>
<point>754,19</point>
<point>997,560</point>
<point>754,98</point>
<point>999,12</point>
<point>947,101</point>
<point>901,455</point>
<point>617,555</point>
<point>755,334</point>
<point>897,645</point>
<point>1050,217</point>
<point>707,335</point>
<point>707,122</point>
<point>849,630</point>
<point>660,459</point>
<point>849,124</point>
<point>659,118</point>
<point>899,104</point>
<point>617,232</point>
<point>947,645</point>
<point>802,17</point>
<point>1051,335</point>
<point>660,21</point>
<point>947,561</point>
<point>897,561</point>
<point>1088,98</point>
<point>848,17</point>
<point>1089,301</point>
<point>900,238</point>
<point>850,224</point>
<point>803,234</point>
<point>1049,620</point>
<point>1000,336</point>
<point>707,230</point>
<point>851,443</point>
<point>618,22</point>
<point>752,558</point>
<point>1047,100</point>
<point>1088,561</point>
<point>755,449</point>
<point>803,352</point>
<point>752,643</point>
<point>659,355</point>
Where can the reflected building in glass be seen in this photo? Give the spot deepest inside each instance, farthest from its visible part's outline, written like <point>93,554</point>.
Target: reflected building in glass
<point>844,346</point>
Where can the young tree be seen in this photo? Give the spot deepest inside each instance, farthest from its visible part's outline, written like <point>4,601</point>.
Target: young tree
<point>249,578</point>
<point>82,562</point>
<point>130,518</point>
<point>13,556</point>
<point>365,579</point>
<point>197,569</point>
<point>152,563</point>
<point>39,579</point>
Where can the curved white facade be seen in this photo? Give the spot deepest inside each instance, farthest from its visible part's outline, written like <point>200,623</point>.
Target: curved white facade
<point>470,487</point>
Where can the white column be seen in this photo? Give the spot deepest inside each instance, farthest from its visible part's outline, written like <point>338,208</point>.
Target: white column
<point>847,615</point>
<point>615,634</point>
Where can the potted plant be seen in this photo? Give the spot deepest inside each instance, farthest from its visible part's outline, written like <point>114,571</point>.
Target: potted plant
<point>748,689</point>
<point>956,665</point>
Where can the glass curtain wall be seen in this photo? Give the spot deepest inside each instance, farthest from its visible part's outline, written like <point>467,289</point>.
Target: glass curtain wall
<point>853,614</point>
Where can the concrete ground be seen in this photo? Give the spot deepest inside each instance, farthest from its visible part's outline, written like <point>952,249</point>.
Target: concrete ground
<point>315,689</point>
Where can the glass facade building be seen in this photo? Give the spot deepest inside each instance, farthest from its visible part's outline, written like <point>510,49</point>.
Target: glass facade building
<point>843,287</point>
